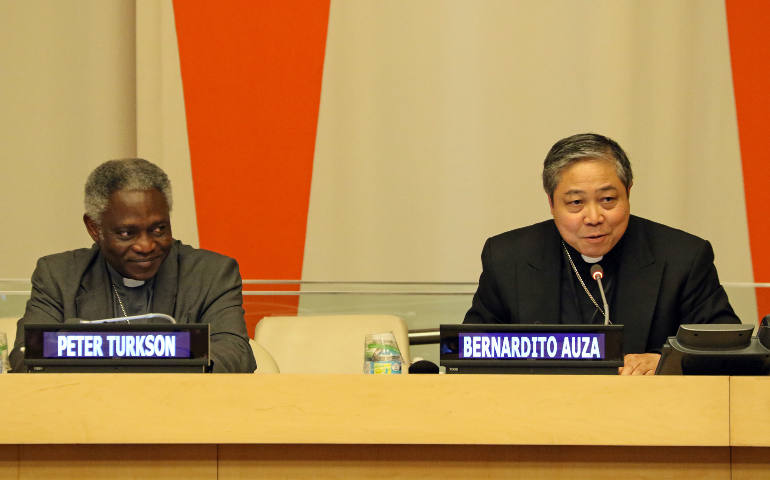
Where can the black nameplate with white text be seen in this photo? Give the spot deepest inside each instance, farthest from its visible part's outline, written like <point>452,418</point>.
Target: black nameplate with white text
<point>531,348</point>
<point>113,347</point>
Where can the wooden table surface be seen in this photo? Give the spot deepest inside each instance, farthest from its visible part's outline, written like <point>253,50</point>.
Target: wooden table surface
<point>412,426</point>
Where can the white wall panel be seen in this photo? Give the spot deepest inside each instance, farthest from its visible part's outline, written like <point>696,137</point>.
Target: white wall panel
<point>436,115</point>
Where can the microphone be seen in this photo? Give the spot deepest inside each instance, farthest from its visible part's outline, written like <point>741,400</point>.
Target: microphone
<point>597,273</point>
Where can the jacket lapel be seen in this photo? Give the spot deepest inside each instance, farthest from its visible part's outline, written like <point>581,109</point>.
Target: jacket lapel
<point>166,281</point>
<point>94,298</point>
<point>539,281</point>
<point>639,279</point>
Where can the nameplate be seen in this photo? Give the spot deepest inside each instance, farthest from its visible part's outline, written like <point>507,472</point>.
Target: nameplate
<point>526,346</point>
<point>85,344</point>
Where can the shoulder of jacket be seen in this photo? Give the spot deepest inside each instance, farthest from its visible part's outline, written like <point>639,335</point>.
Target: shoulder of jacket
<point>70,258</point>
<point>664,236</point>
<point>190,256</point>
<point>524,235</point>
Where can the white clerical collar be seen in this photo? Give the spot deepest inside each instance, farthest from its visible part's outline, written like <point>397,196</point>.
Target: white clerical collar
<point>131,283</point>
<point>591,259</point>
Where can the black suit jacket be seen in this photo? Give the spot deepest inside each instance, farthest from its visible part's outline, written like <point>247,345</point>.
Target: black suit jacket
<point>666,278</point>
<point>192,285</point>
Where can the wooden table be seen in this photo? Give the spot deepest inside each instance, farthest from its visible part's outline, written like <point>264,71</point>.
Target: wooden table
<point>411,426</point>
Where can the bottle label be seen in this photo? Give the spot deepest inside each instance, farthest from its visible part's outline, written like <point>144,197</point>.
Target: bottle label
<point>3,352</point>
<point>384,367</point>
<point>381,354</point>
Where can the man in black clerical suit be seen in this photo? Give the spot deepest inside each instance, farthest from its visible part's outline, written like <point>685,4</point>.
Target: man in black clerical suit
<point>135,266</point>
<point>655,277</point>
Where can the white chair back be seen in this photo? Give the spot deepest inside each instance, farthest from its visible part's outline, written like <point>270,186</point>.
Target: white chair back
<point>326,343</point>
<point>265,361</point>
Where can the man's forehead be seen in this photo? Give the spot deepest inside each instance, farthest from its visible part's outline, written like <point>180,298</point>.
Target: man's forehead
<point>137,205</point>
<point>124,220</point>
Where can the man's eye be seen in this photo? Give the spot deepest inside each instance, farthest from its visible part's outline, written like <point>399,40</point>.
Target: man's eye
<point>608,199</point>
<point>124,234</point>
<point>159,230</point>
<point>575,202</point>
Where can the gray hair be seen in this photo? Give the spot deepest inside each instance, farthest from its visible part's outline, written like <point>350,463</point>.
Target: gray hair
<point>579,147</point>
<point>123,174</point>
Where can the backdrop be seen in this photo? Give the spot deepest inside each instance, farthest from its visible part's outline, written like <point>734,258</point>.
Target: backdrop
<point>369,140</point>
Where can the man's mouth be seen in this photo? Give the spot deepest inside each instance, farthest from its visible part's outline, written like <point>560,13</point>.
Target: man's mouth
<point>144,261</point>
<point>595,238</point>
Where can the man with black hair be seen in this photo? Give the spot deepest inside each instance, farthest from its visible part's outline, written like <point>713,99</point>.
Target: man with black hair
<point>655,277</point>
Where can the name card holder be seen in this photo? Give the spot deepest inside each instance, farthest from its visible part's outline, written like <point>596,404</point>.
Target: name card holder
<point>116,347</point>
<point>531,348</point>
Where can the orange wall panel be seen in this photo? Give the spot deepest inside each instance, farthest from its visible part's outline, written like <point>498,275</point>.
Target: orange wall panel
<point>251,73</point>
<point>747,23</point>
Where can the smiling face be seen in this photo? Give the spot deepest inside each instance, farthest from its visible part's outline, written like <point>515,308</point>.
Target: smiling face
<point>590,206</point>
<point>135,232</point>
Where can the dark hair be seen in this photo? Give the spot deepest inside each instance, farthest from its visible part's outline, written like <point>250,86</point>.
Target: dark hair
<point>579,147</point>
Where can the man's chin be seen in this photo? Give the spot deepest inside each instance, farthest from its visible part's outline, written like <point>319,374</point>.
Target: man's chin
<point>595,247</point>
<point>141,277</point>
<point>138,271</point>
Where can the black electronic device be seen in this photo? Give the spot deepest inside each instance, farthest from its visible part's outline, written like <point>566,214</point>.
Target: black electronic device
<point>423,367</point>
<point>531,348</point>
<point>116,347</point>
<point>716,349</point>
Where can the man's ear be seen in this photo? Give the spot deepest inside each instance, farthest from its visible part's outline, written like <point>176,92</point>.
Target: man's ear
<point>550,201</point>
<point>92,227</point>
<point>628,190</point>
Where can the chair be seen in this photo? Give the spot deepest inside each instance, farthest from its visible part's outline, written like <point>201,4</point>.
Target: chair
<point>265,361</point>
<point>326,343</point>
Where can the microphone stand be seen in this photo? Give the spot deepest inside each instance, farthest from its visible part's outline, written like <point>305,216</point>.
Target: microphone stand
<point>597,272</point>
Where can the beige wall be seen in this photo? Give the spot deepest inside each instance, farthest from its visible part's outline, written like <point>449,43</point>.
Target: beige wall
<point>68,103</point>
<point>435,117</point>
<point>83,81</point>
<point>160,113</point>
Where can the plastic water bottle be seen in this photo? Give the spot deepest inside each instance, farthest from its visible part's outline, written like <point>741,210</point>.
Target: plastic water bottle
<point>4,365</point>
<point>381,354</point>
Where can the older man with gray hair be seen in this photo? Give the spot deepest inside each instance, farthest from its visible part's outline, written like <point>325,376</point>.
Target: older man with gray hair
<point>135,266</point>
<point>655,277</point>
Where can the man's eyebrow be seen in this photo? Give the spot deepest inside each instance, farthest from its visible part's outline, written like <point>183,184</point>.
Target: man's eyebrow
<point>577,191</point>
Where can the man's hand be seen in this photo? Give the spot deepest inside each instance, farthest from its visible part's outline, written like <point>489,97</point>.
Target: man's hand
<point>639,364</point>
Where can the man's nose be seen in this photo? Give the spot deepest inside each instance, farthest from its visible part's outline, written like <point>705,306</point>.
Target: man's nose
<point>593,214</point>
<point>144,243</point>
